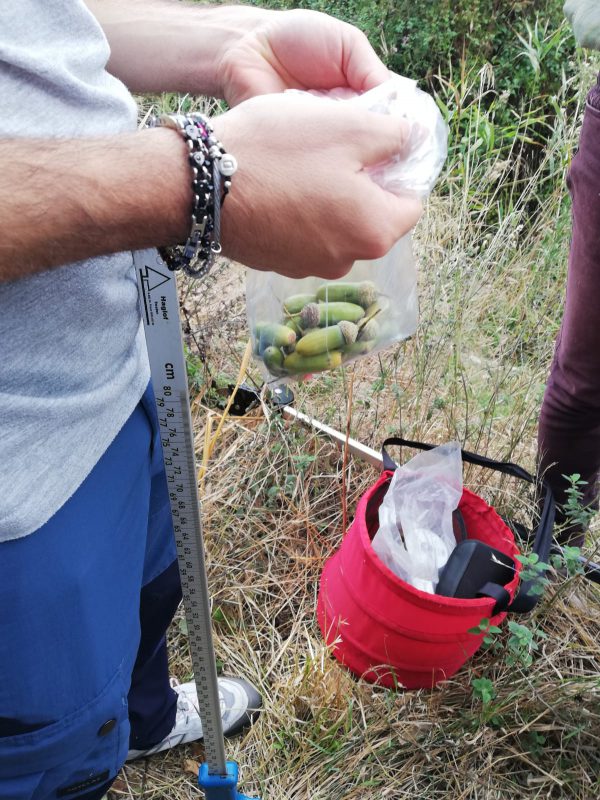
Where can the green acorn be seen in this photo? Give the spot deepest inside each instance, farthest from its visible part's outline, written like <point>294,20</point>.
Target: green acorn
<point>362,294</point>
<point>324,340</point>
<point>292,323</point>
<point>319,315</point>
<point>297,364</point>
<point>273,360</point>
<point>295,303</point>
<point>271,333</point>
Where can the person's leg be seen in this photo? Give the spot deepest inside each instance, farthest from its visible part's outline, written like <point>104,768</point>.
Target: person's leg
<point>569,428</point>
<point>152,702</point>
<point>162,716</point>
<point>69,630</point>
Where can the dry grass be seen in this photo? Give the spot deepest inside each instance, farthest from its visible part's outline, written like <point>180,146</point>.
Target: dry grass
<point>273,499</point>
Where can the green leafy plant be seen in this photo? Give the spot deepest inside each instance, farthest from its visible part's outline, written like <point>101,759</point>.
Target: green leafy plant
<point>574,509</point>
<point>483,689</point>
<point>534,571</point>
<point>491,632</point>
<point>522,644</point>
<point>569,561</point>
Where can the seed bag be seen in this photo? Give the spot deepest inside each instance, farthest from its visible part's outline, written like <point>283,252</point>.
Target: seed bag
<point>299,327</point>
<point>416,536</point>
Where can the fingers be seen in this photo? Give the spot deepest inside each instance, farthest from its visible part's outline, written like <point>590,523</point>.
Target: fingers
<point>361,66</point>
<point>382,219</point>
<point>380,137</point>
<point>399,215</point>
<point>301,202</point>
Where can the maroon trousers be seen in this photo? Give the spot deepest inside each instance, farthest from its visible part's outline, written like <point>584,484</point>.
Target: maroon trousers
<point>569,428</point>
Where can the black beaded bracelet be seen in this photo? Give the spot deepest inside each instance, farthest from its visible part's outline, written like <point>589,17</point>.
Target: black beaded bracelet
<point>212,168</point>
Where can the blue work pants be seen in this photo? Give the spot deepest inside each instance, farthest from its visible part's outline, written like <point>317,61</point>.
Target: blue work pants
<point>85,602</point>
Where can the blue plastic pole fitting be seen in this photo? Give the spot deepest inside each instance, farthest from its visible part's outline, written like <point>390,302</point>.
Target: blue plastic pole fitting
<point>221,787</point>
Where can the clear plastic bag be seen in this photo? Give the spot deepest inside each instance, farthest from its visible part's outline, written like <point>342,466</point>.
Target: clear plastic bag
<point>309,325</point>
<point>416,536</point>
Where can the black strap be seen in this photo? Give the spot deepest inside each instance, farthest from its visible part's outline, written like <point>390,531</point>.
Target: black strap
<point>524,600</point>
<point>499,594</point>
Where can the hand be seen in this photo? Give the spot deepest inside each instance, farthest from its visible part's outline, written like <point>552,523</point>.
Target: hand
<point>234,52</point>
<point>301,50</point>
<point>301,203</point>
<point>584,16</point>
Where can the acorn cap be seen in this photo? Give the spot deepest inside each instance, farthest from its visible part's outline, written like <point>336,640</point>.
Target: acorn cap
<point>349,331</point>
<point>310,316</point>
<point>367,294</point>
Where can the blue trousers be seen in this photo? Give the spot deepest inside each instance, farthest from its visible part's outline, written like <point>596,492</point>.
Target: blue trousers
<point>85,602</point>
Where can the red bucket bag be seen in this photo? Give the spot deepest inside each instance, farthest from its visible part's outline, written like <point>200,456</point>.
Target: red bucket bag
<point>388,632</point>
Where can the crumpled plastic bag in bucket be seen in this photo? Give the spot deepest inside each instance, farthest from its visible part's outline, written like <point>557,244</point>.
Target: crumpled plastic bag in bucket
<point>416,536</point>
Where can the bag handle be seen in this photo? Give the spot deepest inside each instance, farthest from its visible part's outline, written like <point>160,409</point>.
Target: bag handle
<point>525,600</point>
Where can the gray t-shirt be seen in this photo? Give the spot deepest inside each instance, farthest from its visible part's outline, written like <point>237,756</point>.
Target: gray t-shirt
<point>73,362</point>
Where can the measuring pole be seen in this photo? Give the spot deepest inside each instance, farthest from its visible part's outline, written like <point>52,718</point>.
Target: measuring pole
<point>159,306</point>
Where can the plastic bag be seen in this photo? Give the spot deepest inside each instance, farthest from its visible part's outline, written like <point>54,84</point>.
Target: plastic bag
<point>415,535</point>
<point>304,326</point>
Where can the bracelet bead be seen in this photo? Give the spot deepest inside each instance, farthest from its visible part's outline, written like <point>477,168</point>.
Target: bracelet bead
<point>209,162</point>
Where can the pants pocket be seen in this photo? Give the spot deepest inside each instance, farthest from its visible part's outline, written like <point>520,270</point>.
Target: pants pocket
<point>72,756</point>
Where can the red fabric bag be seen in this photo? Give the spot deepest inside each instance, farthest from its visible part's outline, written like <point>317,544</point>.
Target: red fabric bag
<point>388,632</point>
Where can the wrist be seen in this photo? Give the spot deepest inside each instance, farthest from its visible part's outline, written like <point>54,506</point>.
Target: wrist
<point>159,46</point>
<point>170,166</point>
<point>210,169</point>
<point>218,29</point>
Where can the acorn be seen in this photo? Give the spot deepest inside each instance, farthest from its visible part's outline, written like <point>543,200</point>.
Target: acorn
<point>363,293</point>
<point>324,314</point>
<point>368,331</point>
<point>296,302</point>
<point>324,340</point>
<point>273,360</point>
<point>271,333</point>
<point>292,324</point>
<point>301,365</point>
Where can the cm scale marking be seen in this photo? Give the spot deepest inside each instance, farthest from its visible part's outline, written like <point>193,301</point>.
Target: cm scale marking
<point>159,306</point>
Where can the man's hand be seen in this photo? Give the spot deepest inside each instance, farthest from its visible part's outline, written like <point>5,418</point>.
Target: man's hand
<point>301,202</point>
<point>584,16</point>
<point>301,50</point>
<point>235,52</point>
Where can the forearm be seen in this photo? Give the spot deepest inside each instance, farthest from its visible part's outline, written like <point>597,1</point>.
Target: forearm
<point>66,200</point>
<point>167,45</point>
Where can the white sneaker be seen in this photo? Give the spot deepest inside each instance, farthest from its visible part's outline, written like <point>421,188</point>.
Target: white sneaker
<point>239,702</point>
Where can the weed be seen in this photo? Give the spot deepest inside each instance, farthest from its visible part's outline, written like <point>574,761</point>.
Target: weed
<point>574,509</point>
<point>534,572</point>
<point>483,689</point>
<point>490,640</point>
<point>569,560</point>
<point>522,644</point>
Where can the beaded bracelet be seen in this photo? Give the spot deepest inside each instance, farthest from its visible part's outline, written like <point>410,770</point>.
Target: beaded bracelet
<point>212,168</point>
